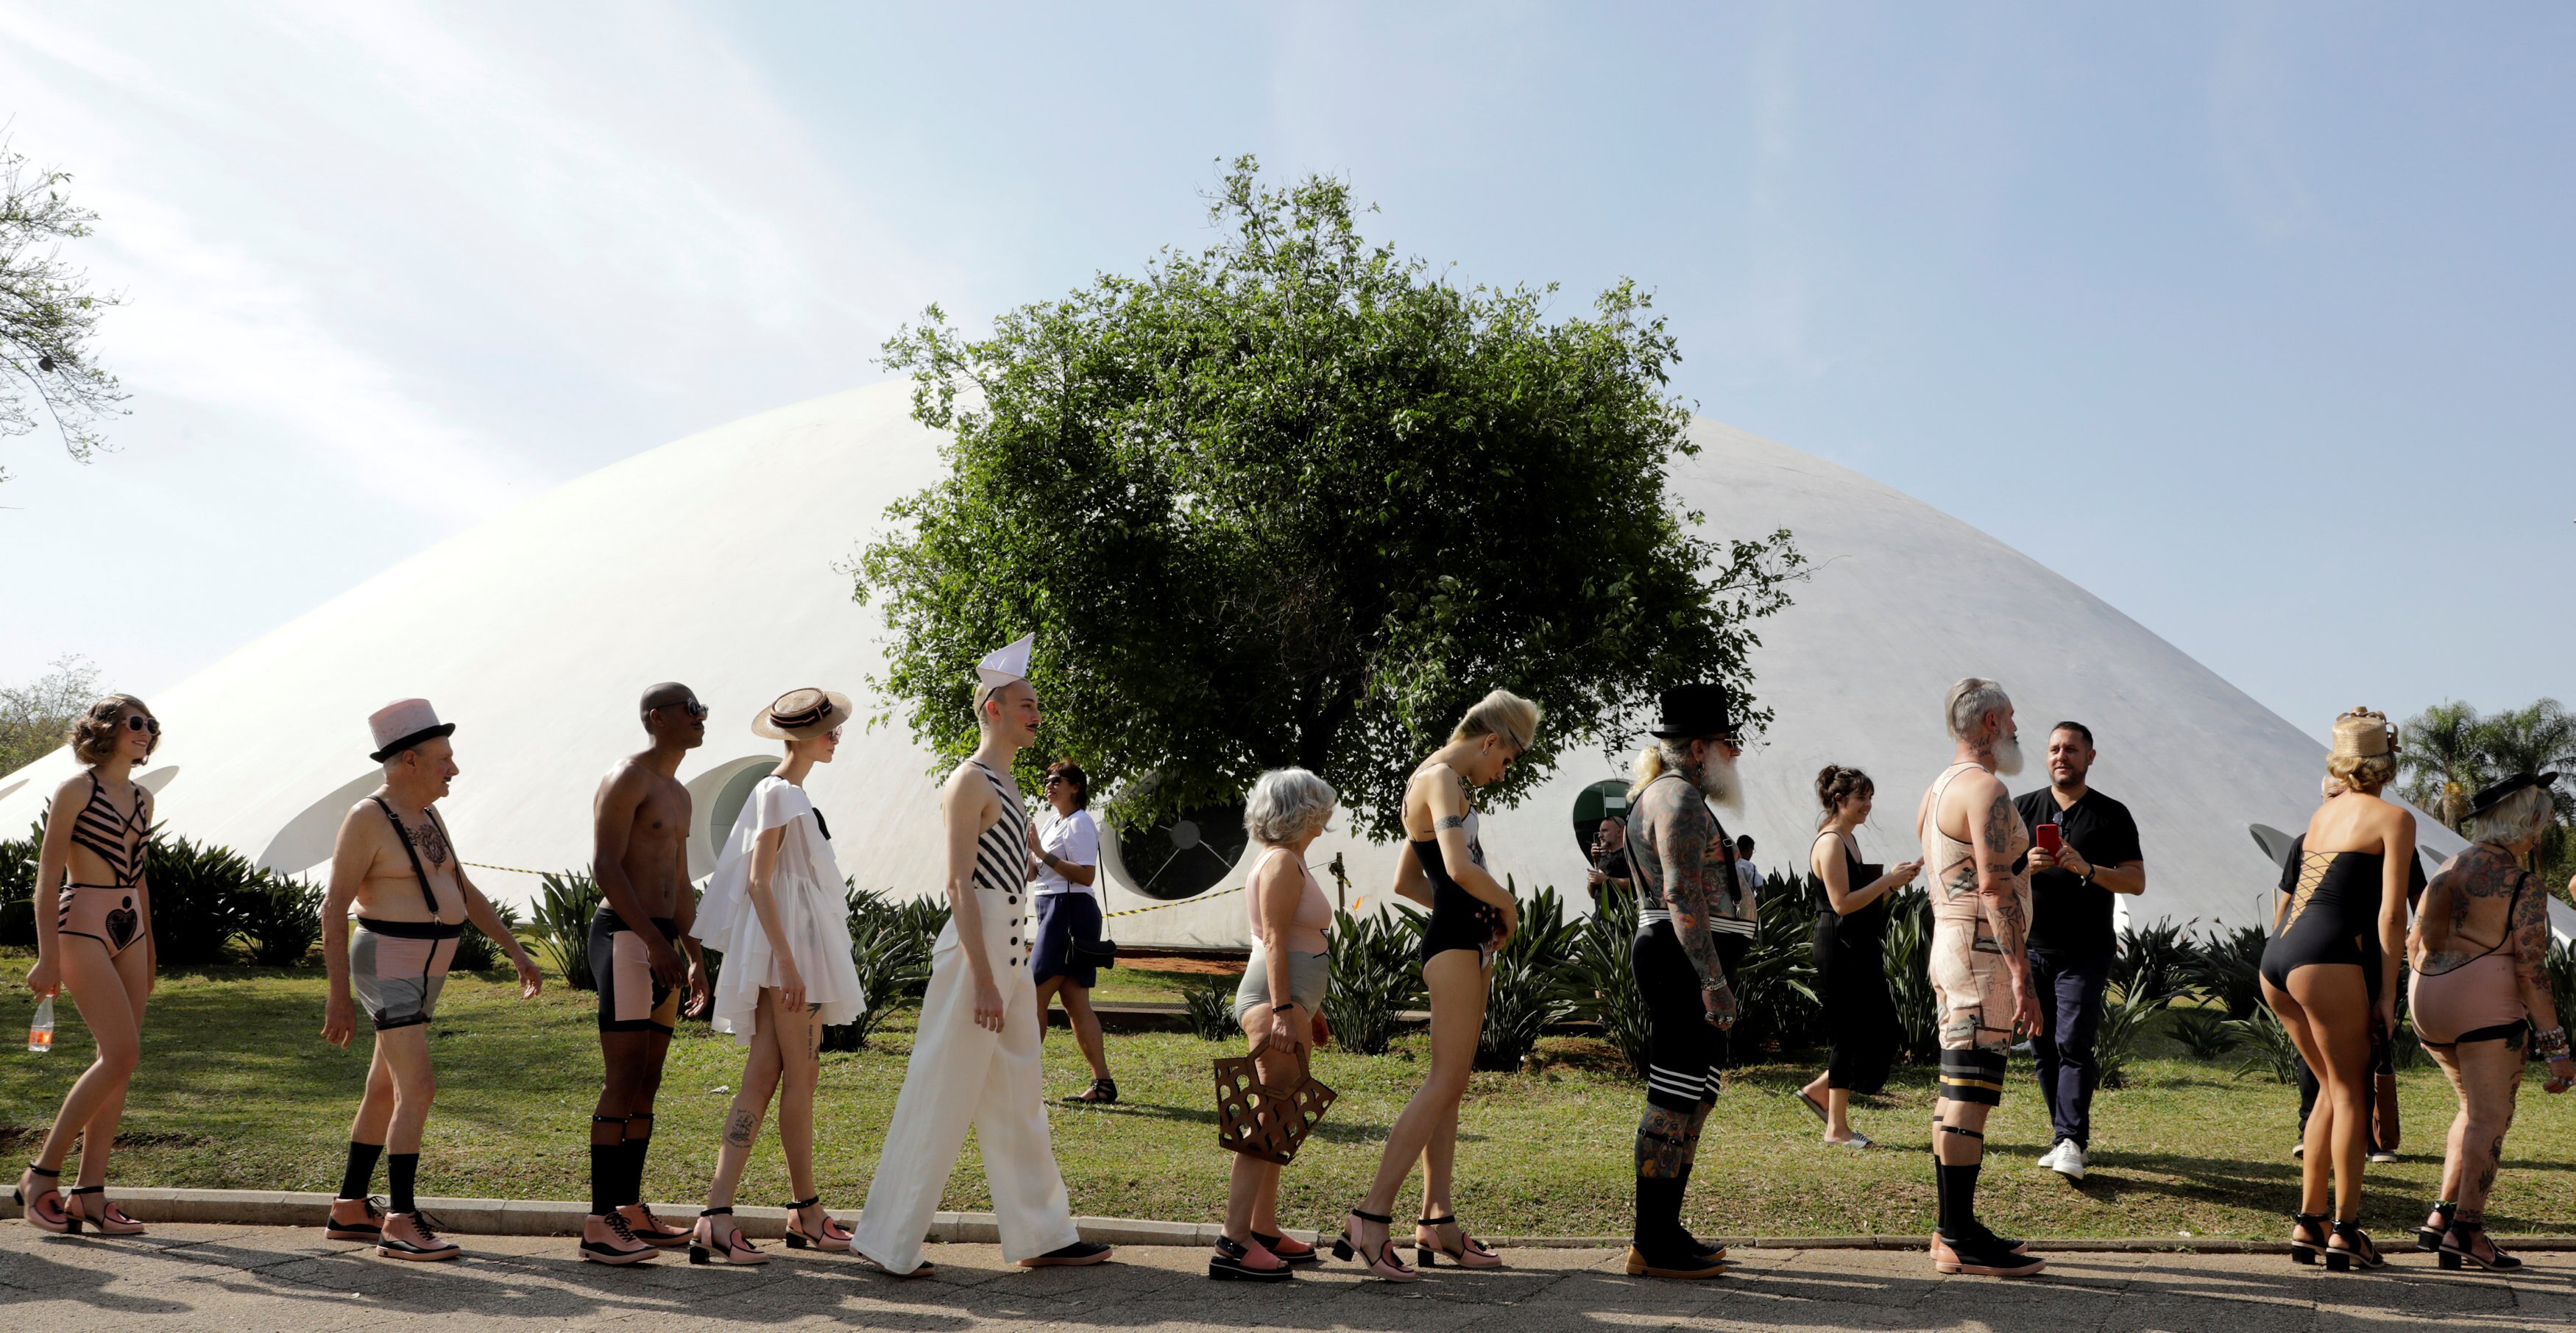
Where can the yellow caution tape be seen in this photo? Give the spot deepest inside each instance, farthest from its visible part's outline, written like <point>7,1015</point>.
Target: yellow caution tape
<point>541,874</point>
<point>1194,898</point>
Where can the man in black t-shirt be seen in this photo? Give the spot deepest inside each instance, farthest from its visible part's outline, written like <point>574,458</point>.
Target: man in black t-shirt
<point>2071,931</point>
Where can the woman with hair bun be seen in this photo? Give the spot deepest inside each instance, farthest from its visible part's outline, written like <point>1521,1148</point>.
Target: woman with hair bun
<point>94,934</point>
<point>1851,937</point>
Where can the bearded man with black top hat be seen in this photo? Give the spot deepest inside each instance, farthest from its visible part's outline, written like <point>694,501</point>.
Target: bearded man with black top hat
<point>1684,866</point>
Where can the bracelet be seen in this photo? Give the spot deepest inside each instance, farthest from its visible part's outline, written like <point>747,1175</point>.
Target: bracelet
<point>2550,1045</point>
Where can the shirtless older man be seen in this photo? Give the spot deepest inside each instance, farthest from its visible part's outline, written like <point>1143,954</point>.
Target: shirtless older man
<point>1973,841</point>
<point>395,862</point>
<point>640,845</point>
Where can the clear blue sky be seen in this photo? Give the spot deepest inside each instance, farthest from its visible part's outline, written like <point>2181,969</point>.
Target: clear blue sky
<point>2253,319</point>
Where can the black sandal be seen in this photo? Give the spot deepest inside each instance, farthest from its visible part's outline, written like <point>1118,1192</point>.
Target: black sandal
<point>2356,1245</point>
<point>2302,1226</point>
<point>1102,1092</point>
<point>2429,1239</point>
<point>2462,1244</point>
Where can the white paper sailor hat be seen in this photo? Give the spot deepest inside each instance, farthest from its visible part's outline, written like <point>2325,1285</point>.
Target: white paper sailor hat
<point>1008,663</point>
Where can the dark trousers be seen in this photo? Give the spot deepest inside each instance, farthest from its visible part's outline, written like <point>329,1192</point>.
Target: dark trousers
<point>1730,956</point>
<point>2070,990</point>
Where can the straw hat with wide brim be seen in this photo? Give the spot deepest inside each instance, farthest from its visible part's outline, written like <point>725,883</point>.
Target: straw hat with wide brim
<point>802,715</point>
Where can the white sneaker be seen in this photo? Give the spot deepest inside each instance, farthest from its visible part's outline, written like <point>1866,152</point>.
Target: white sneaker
<point>2069,1160</point>
<point>2048,1159</point>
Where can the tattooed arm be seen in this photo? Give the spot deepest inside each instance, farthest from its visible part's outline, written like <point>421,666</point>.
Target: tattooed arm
<point>1685,838</point>
<point>1998,838</point>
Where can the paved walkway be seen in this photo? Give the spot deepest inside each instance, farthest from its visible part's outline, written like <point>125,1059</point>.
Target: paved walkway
<point>263,1278</point>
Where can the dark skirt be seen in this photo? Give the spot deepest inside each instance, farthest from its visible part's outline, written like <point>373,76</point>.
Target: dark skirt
<point>1851,980</point>
<point>1064,918</point>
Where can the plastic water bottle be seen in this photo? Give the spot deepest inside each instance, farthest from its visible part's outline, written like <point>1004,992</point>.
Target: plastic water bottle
<point>40,1034</point>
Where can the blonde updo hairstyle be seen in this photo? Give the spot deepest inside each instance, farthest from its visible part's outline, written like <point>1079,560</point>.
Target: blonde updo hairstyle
<point>2364,757</point>
<point>1502,714</point>
<point>94,733</point>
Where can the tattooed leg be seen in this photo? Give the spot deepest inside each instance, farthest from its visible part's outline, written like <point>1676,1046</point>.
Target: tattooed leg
<point>1663,1142</point>
<point>760,1077</point>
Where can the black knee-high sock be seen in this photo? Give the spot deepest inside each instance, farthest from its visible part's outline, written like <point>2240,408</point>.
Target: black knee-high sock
<point>1659,1212</point>
<point>639,1140</point>
<point>605,1159</point>
<point>400,1167</point>
<point>361,1171</point>
<point>1958,1191</point>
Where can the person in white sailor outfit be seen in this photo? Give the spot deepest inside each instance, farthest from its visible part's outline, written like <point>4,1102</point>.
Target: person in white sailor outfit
<point>975,1056</point>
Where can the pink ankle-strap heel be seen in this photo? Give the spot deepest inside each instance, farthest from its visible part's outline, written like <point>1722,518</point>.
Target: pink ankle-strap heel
<point>1382,1264</point>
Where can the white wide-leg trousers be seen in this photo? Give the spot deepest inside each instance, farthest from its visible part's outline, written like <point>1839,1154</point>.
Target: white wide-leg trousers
<point>961,1073</point>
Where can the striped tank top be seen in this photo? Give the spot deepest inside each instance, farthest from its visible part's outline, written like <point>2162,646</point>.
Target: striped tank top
<point>1002,854</point>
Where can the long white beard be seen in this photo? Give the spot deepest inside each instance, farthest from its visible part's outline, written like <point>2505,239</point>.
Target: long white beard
<point>2008,755</point>
<point>1717,782</point>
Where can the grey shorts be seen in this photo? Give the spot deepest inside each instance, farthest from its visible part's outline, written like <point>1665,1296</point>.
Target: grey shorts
<point>1310,975</point>
<point>398,967</point>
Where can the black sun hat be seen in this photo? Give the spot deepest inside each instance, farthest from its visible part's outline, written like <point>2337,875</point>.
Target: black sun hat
<point>2491,797</point>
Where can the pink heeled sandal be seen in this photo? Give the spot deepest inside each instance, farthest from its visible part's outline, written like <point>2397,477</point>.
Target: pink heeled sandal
<point>111,1220</point>
<point>831,1237</point>
<point>735,1248</point>
<point>1471,1252</point>
<point>58,1222</point>
<point>1382,1264</point>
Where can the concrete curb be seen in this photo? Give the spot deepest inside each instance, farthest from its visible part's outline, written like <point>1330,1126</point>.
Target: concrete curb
<point>562,1217</point>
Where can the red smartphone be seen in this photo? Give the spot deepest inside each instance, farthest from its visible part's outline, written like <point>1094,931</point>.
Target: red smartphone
<point>2048,840</point>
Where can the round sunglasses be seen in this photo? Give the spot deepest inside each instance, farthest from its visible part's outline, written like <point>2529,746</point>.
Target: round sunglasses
<point>140,722</point>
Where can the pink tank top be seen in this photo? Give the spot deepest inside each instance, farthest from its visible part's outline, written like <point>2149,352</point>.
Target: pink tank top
<point>1314,911</point>
<point>1952,863</point>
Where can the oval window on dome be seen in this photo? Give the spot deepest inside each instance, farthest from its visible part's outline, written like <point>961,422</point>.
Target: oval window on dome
<point>1181,857</point>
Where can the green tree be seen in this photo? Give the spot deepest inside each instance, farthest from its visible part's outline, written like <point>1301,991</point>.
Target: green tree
<point>2442,760</point>
<point>36,716</point>
<point>47,313</point>
<point>1296,499</point>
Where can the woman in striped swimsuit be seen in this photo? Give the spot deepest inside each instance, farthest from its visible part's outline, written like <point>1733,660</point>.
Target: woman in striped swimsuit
<point>95,936</point>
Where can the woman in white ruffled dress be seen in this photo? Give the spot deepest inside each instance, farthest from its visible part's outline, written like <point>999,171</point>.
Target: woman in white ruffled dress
<point>777,909</point>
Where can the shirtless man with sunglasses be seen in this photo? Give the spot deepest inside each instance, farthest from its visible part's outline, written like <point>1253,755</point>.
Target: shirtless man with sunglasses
<point>640,842</point>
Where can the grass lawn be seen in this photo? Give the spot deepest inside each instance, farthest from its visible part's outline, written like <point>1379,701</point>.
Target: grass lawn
<point>237,1090</point>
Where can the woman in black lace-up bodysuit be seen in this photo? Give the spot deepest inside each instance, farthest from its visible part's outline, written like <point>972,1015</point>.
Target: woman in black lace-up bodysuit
<point>2330,973</point>
<point>94,935</point>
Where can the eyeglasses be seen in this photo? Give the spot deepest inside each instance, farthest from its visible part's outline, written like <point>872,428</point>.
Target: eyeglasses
<point>1054,778</point>
<point>689,706</point>
<point>139,722</point>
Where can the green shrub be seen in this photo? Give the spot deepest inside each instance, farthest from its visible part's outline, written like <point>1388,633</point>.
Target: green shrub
<point>476,952</point>
<point>1375,977</point>
<point>280,919</point>
<point>566,901</point>
<point>1775,983</point>
<point>2561,970</point>
<point>1909,950</point>
<point>2228,968</point>
<point>18,889</point>
<point>1604,961</point>
<point>2271,1049</point>
<point>200,894</point>
<point>1209,1006</point>
<point>2204,1033</point>
<point>890,944</point>
<point>1532,985</point>
<point>2125,1014</point>
<point>2159,962</point>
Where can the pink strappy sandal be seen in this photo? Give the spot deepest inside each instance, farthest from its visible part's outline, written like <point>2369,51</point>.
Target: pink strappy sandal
<point>111,1220</point>
<point>1471,1252</point>
<point>59,1221</point>
<point>735,1248</point>
<point>1382,1264</point>
<point>831,1237</point>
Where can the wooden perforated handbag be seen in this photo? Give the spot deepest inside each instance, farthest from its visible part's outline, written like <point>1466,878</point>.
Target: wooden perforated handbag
<point>1265,1122</point>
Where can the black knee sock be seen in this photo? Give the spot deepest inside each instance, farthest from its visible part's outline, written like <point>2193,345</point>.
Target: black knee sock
<point>605,1159</point>
<point>399,1169</point>
<point>361,1171</point>
<point>1659,1213</point>
<point>1958,1193</point>
<point>631,1183</point>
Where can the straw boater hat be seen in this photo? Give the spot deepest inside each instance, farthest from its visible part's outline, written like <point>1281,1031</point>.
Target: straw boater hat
<point>2364,734</point>
<point>802,715</point>
<point>402,724</point>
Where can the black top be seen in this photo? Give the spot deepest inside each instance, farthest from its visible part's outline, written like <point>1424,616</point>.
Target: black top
<point>2069,918</point>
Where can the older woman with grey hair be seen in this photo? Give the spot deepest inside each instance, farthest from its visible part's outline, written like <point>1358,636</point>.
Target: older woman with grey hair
<point>1279,1004</point>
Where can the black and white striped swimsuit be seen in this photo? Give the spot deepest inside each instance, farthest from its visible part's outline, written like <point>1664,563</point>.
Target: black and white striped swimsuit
<point>1002,866</point>
<point>108,913</point>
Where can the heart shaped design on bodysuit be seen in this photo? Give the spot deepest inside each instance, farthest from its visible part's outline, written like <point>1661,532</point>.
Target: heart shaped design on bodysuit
<point>120,923</point>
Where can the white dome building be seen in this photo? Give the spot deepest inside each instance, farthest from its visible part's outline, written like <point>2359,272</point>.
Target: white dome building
<point>720,560</point>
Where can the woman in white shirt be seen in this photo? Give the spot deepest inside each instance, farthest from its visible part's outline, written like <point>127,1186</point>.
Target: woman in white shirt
<point>1066,876</point>
<point>778,910</point>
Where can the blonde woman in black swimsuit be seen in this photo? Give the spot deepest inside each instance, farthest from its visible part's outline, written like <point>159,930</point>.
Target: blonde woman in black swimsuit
<point>2330,973</point>
<point>94,934</point>
<point>1471,916</point>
